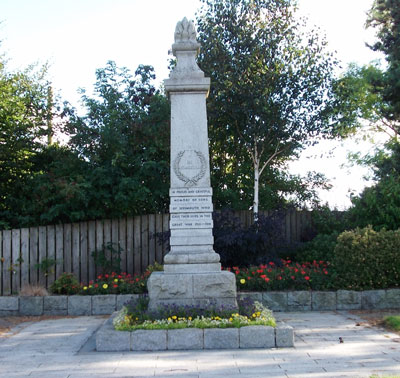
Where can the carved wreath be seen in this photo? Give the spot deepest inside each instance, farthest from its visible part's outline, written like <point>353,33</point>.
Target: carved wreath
<point>189,181</point>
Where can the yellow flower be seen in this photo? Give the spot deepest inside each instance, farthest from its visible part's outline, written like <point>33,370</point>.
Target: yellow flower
<point>230,319</point>
<point>90,286</point>
<point>116,280</point>
<point>105,286</point>
<point>190,318</point>
<point>242,281</point>
<point>169,319</point>
<point>85,288</point>
<point>254,315</point>
<point>174,317</point>
<point>137,318</point>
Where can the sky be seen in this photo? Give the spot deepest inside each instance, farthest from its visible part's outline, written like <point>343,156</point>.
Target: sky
<point>78,36</point>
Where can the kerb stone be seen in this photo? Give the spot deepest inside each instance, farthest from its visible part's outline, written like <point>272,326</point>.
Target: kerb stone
<point>221,338</point>
<point>185,339</point>
<point>55,305</point>
<point>348,300</point>
<point>255,296</point>
<point>299,301</point>
<point>392,298</point>
<point>110,340</point>
<point>149,340</point>
<point>284,336</point>
<point>9,306</point>
<point>123,299</point>
<point>79,305</point>
<point>257,337</point>
<point>373,299</point>
<point>275,300</point>
<point>323,300</point>
<point>31,306</point>
<point>103,304</point>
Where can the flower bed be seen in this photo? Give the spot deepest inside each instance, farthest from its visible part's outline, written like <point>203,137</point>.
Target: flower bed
<point>135,315</point>
<point>287,275</point>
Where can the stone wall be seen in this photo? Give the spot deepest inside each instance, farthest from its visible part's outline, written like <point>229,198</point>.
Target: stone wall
<point>275,300</point>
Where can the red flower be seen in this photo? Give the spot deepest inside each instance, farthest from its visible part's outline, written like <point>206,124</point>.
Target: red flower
<point>115,285</point>
<point>292,277</point>
<point>137,279</point>
<point>96,285</point>
<point>266,279</point>
<point>249,278</point>
<point>236,272</point>
<point>99,276</point>
<point>106,275</point>
<point>279,278</point>
<point>263,276</point>
<point>271,263</point>
<point>306,278</point>
<point>260,270</point>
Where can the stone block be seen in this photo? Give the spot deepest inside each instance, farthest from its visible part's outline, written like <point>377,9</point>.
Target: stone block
<point>31,306</point>
<point>214,285</point>
<point>348,300</point>
<point>55,305</point>
<point>110,340</point>
<point>275,300</point>
<point>284,336</point>
<point>104,304</point>
<point>113,341</point>
<point>9,306</point>
<point>373,299</point>
<point>170,286</point>
<point>392,298</point>
<point>185,339</point>
<point>299,301</point>
<point>79,305</point>
<point>257,337</point>
<point>255,296</point>
<point>149,340</point>
<point>323,300</point>
<point>221,338</point>
<point>123,299</point>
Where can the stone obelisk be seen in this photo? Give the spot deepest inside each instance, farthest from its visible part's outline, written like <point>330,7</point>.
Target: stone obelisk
<point>192,271</point>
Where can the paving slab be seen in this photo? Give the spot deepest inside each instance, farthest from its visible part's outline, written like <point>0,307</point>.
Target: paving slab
<point>64,348</point>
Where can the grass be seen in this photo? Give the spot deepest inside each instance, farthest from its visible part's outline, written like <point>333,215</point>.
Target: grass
<point>393,322</point>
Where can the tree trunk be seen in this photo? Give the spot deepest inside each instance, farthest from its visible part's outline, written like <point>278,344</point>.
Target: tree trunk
<point>256,184</point>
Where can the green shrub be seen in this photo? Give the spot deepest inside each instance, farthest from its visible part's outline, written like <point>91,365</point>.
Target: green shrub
<point>367,259</point>
<point>320,248</point>
<point>66,284</point>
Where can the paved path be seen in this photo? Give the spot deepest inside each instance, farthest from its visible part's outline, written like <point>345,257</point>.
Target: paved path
<point>63,348</point>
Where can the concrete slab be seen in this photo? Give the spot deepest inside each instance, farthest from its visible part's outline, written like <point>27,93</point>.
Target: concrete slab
<point>56,348</point>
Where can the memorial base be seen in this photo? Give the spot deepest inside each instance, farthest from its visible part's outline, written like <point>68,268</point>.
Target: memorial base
<point>203,289</point>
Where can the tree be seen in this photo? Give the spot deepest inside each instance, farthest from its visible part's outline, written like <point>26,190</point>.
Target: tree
<point>360,100</point>
<point>384,16</point>
<point>124,140</point>
<point>271,87</point>
<point>23,113</point>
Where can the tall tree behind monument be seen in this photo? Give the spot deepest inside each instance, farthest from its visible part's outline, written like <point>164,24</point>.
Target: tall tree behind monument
<point>192,272</point>
<point>271,91</point>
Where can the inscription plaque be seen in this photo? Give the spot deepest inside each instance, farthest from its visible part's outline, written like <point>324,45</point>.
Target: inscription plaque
<point>190,192</point>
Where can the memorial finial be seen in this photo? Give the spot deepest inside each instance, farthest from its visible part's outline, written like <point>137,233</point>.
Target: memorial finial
<point>185,31</point>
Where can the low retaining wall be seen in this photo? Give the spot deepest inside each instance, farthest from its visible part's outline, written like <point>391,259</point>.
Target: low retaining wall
<point>110,340</point>
<point>274,300</point>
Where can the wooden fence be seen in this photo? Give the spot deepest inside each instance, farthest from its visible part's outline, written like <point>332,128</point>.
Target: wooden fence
<point>71,247</point>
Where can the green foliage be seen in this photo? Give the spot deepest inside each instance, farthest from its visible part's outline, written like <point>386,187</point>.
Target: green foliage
<point>320,248</point>
<point>384,17</point>
<point>271,94</point>
<point>47,266</point>
<point>392,322</point>
<point>23,114</point>
<point>379,204</point>
<point>66,284</point>
<point>108,258</point>
<point>367,259</point>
